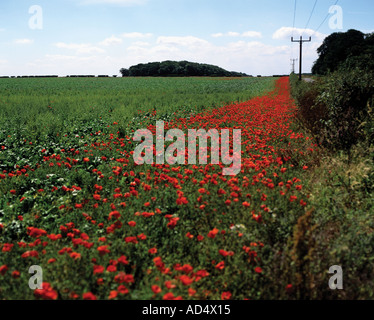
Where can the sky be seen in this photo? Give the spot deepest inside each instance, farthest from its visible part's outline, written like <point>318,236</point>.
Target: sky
<point>99,37</point>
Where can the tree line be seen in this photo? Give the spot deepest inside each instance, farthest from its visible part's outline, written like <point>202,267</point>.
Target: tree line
<point>345,49</point>
<point>178,68</point>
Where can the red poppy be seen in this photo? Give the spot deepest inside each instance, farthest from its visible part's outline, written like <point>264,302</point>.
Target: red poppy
<point>258,270</point>
<point>220,265</point>
<point>156,289</point>
<point>226,295</point>
<point>103,250</point>
<point>89,296</point>
<point>3,269</point>
<point>46,293</point>
<point>212,234</point>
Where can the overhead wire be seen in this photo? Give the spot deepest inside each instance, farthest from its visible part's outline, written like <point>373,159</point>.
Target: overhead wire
<point>294,17</point>
<point>311,14</point>
<point>293,29</point>
<point>324,20</point>
<point>307,24</point>
<point>320,25</point>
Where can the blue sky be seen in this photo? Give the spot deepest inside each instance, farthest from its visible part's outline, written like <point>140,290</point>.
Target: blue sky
<point>102,36</point>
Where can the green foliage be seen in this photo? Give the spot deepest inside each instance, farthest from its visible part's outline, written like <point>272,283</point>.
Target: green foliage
<point>343,225</point>
<point>309,112</point>
<point>347,95</point>
<point>37,108</point>
<point>339,46</point>
<point>337,109</point>
<point>177,68</point>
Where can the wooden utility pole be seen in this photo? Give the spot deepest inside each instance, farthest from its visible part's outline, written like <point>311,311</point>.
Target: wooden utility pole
<point>301,52</point>
<point>293,65</point>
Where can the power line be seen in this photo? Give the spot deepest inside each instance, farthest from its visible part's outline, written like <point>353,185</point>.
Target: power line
<point>324,20</point>
<point>311,14</point>
<point>294,18</point>
<point>310,17</point>
<point>293,26</point>
<point>316,30</point>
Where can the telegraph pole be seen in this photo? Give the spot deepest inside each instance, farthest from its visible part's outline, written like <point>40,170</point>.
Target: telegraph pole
<point>293,65</point>
<point>301,52</point>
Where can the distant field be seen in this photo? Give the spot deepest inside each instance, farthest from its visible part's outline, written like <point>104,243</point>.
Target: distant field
<point>50,105</point>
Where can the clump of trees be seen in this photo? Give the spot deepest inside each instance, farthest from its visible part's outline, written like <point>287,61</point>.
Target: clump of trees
<point>177,69</point>
<point>338,107</point>
<point>351,47</point>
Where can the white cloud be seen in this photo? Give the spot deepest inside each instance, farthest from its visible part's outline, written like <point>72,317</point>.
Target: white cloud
<point>233,34</point>
<point>80,48</point>
<point>141,44</point>
<point>134,35</point>
<point>115,2</point>
<point>248,34</point>
<point>111,41</point>
<point>217,35</point>
<point>23,41</point>
<point>187,41</point>
<point>252,34</point>
<point>285,33</point>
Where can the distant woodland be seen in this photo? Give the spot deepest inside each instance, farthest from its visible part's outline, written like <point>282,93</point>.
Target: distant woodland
<point>178,69</point>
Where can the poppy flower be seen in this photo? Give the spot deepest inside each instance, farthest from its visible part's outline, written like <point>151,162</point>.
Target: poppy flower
<point>258,270</point>
<point>3,269</point>
<point>103,250</point>
<point>16,274</point>
<point>156,289</point>
<point>98,269</point>
<point>132,223</point>
<point>122,289</point>
<point>46,293</point>
<point>186,280</point>
<point>212,234</point>
<point>168,296</point>
<point>152,251</point>
<point>113,294</point>
<point>89,296</point>
<point>220,265</point>
<point>226,295</point>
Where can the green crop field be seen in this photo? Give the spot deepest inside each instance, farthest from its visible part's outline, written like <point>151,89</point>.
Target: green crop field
<point>43,111</point>
<point>75,203</point>
<point>48,106</point>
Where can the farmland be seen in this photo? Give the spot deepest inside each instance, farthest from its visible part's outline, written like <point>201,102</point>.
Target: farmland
<point>73,201</point>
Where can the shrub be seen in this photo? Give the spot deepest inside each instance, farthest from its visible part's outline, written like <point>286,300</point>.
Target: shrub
<point>310,112</point>
<point>337,109</point>
<point>347,96</point>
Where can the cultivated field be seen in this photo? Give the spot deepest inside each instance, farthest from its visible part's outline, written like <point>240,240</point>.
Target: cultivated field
<point>73,201</point>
